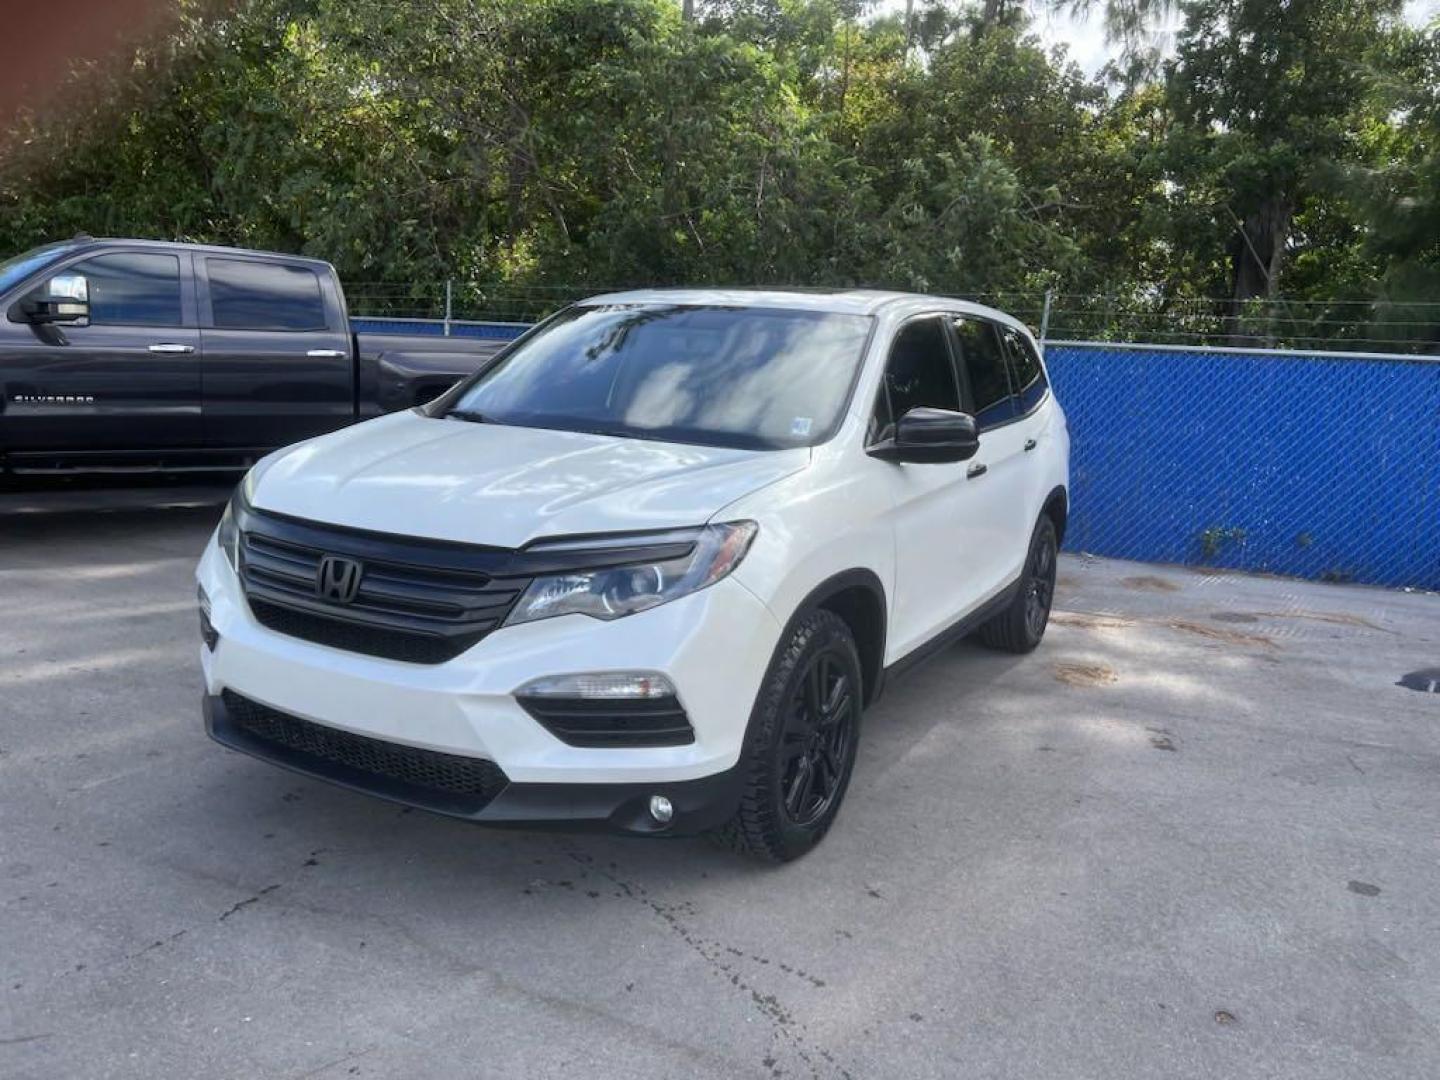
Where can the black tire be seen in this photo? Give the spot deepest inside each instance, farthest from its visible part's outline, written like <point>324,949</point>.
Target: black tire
<point>1021,626</point>
<point>816,664</point>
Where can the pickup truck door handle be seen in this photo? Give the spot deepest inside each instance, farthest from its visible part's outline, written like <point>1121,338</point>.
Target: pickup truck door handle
<point>1029,445</point>
<point>330,353</point>
<point>976,470</point>
<point>171,347</point>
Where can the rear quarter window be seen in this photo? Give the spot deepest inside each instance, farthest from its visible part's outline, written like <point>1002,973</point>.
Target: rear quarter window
<point>1026,369</point>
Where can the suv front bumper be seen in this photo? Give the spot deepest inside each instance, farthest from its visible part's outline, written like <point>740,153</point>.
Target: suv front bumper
<point>698,805</point>
<point>713,645</point>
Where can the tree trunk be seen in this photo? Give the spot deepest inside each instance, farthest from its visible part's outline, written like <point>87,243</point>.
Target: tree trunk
<point>1255,258</point>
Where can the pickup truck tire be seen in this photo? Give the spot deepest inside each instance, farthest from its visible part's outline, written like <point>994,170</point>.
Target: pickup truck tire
<point>800,747</point>
<point>1020,627</point>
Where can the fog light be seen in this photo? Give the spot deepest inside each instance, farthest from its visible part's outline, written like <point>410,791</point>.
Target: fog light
<point>661,810</point>
<point>609,685</point>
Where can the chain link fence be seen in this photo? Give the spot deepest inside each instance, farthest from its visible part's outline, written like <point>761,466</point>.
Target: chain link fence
<point>1141,316</point>
<point>1186,448</point>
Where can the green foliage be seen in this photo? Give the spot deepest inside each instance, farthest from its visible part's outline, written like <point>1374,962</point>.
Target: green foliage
<point>1290,147</point>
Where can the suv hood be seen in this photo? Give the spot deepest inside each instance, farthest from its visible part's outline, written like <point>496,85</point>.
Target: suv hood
<point>504,486</point>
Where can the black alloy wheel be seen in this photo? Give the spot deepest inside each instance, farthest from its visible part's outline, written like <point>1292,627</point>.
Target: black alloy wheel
<point>801,741</point>
<point>816,743</point>
<point>1021,625</point>
<point>1040,585</point>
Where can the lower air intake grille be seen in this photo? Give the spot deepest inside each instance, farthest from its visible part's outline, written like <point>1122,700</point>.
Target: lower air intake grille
<point>612,722</point>
<point>475,778</point>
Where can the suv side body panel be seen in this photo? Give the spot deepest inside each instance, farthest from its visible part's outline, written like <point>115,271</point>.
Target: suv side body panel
<point>840,514</point>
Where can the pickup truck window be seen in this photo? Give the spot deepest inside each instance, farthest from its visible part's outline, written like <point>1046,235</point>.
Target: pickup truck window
<point>132,289</point>
<point>17,269</point>
<point>758,378</point>
<point>249,295</point>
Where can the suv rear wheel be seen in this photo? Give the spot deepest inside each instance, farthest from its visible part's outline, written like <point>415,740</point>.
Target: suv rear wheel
<point>800,748</point>
<point>1020,627</point>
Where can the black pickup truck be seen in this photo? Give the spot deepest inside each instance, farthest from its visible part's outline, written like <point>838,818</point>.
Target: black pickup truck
<point>135,355</point>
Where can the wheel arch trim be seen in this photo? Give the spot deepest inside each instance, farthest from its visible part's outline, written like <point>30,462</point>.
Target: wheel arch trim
<point>872,652</point>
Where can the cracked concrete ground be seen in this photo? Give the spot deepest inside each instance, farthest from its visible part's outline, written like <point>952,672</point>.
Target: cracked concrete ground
<point>1194,835</point>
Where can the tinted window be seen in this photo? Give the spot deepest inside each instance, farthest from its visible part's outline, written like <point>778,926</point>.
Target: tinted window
<point>13,271</point>
<point>919,373</point>
<point>984,362</point>
<point>248,295</point>
<point>1025,366</point>
<point>132,289</point>
<point>762,378</point>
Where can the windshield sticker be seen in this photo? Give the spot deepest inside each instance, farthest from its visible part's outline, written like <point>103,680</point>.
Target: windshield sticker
<point>800,426</point>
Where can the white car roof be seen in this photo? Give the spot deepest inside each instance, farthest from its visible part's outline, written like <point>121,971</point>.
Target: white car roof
<point>839,301</point>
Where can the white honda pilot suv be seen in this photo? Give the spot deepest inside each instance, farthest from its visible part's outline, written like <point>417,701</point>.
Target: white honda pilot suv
<point>645,570</point>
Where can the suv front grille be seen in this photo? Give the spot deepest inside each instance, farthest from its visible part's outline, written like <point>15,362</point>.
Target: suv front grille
<point>319,746</point>
<point>602,722</point>
<point>417,601</point>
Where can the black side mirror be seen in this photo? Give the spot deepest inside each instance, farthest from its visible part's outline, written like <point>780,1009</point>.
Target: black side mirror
<point>65,298</point>
<point>927,436</point>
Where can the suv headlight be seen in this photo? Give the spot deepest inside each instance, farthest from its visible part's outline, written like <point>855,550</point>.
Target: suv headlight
<point>613,591</point>
<point>228,534</point>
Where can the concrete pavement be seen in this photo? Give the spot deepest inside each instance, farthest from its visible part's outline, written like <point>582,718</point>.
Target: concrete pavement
<point>1194,835</point>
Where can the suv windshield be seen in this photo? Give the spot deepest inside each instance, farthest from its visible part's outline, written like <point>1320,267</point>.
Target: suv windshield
<point>759,378</point>
<point>20,267</point>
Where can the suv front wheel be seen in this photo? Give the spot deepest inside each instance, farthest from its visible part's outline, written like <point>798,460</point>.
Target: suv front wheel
<point>800,747</point>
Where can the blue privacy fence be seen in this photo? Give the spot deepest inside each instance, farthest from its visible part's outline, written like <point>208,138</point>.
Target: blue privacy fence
<point>1322,466</point>
<point>1317,465</point>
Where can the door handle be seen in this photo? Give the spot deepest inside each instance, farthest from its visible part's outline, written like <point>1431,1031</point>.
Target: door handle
<point>1029,445</point>
<point>976,470</point>
<point>171,347</point>
<point>329,353</point>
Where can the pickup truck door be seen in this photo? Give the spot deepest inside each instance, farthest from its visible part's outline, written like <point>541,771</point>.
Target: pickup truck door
<point>108,392</point>
<point>277,364</point>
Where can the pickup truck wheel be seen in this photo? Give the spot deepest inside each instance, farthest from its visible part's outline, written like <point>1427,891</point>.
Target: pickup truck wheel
<point>801,744</point>
<point>1020,627</point>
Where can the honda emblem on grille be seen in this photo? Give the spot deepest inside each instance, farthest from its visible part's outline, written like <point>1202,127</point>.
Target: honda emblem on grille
<point>338,579</point>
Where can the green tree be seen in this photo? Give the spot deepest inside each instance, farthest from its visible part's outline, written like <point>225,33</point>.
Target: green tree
<point>1265,94</point>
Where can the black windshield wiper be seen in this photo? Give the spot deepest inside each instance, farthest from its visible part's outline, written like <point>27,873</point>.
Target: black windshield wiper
<point>613,433</point>
<point>469,415</point>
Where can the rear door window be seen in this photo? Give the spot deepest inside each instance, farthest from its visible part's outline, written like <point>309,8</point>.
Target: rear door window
<point>132,289</point>
<point>982,357</point>
<point>1026,370</point>
<point>250,295</point>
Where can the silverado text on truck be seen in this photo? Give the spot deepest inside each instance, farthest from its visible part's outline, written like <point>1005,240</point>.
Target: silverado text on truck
<point>648,567</point>
<point>133,355</point>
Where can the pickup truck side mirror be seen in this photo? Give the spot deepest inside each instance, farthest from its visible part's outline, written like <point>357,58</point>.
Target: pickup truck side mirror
<point>65,298</point>
<point>928,436</point>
